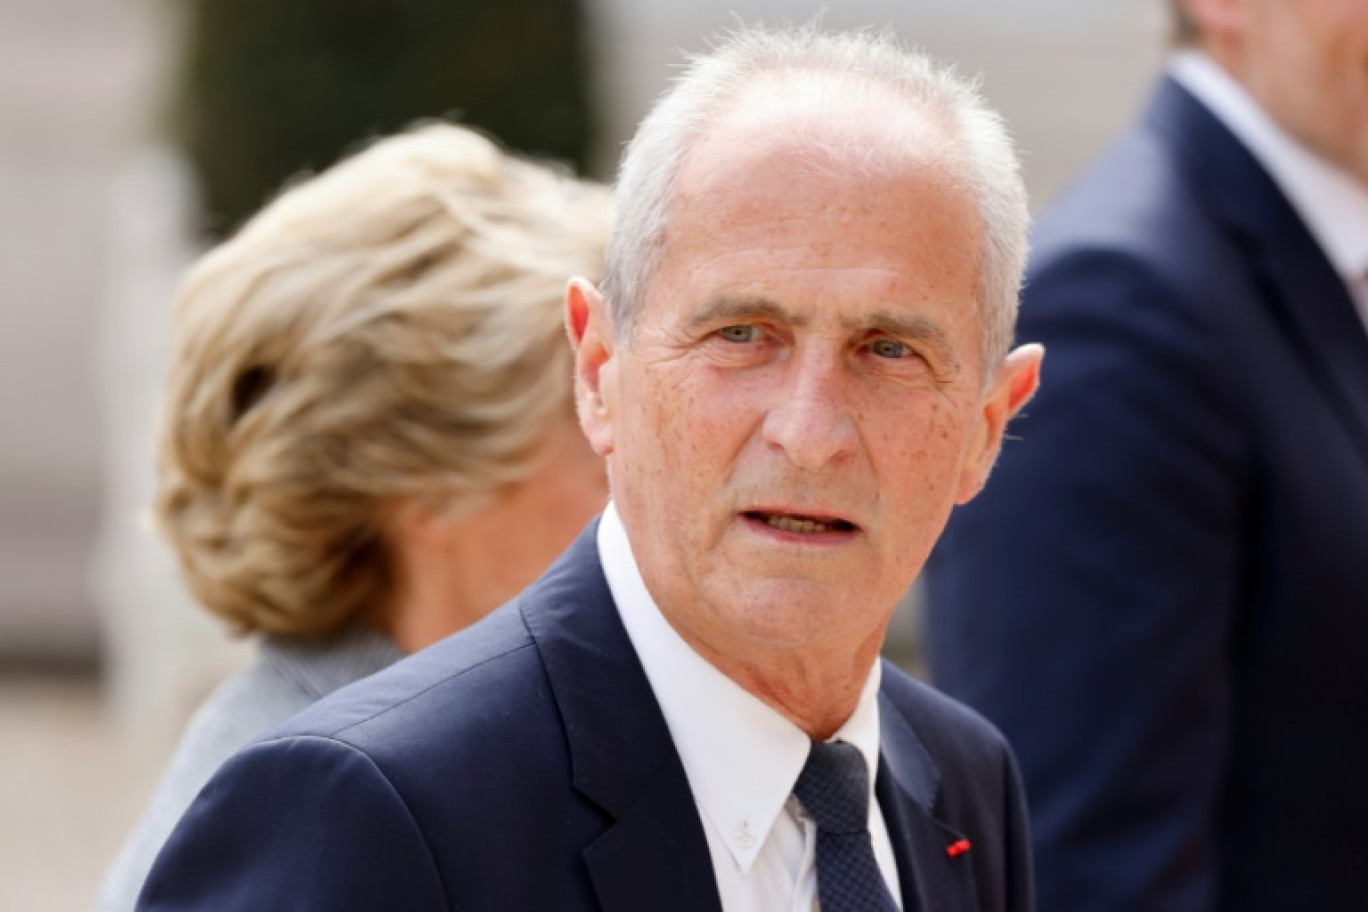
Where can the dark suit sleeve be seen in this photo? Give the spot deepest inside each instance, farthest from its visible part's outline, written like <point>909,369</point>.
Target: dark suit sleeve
<point>1084,602</point>
<point>296,824</point>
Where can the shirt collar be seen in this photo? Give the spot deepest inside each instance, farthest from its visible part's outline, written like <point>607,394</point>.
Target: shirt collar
<point>741,756</point>
<point>1332,203</point>
<point>318,665</point>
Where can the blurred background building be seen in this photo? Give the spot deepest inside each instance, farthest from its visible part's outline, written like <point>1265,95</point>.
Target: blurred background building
<point>133,130</point>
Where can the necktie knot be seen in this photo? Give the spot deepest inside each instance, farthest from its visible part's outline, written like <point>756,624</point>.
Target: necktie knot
<point>834,787</point>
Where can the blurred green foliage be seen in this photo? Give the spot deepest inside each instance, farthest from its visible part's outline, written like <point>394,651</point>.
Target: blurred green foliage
<point>271,89</point>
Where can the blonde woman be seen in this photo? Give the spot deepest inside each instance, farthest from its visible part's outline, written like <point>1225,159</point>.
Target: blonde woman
<point>367,437</point>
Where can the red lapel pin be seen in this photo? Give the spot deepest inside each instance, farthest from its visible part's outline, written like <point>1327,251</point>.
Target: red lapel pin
<point>956,849</point>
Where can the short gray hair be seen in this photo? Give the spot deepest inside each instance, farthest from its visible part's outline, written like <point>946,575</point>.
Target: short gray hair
<point>650,166</point>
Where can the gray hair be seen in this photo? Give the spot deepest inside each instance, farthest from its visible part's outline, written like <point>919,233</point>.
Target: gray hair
<point>977,136</point>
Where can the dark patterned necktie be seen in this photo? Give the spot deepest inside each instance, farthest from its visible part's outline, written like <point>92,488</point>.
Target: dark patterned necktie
<point>834,788</point>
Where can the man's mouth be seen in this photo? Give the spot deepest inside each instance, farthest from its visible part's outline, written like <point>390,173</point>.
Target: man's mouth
<point>799,523</point>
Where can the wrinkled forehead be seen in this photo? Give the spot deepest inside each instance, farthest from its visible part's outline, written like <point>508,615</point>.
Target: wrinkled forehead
<point>836,121</point>
<point>795,148</point>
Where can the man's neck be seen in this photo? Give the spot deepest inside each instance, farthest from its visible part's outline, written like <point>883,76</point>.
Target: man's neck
<point>1231,58</point>
<point>815,688</point>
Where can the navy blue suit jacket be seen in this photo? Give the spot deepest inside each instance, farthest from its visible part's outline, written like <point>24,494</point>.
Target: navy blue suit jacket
<point>1161,597</point>
<point>525,765</point>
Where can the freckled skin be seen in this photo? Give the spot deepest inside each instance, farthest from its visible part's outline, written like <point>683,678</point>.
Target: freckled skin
<point>809,343</point>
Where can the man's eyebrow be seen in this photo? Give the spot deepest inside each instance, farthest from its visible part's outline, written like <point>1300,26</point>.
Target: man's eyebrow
<point>911,328</point>
<point>741,308</point>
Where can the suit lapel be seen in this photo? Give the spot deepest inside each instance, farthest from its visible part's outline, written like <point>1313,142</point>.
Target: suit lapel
<point>653,853</point>
<point>907,786</point>
<point>1330,338</point>
<point>1308,298</point>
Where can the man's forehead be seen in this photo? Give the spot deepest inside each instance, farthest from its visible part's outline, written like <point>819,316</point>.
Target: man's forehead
<point>831,121</point>
<point>750,173</point>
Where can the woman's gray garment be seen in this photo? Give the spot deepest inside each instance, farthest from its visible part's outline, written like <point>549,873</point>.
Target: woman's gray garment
<point>287,675</point>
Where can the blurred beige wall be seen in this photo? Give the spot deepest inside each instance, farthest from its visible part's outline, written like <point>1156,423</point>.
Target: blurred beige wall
<point>73,77</point>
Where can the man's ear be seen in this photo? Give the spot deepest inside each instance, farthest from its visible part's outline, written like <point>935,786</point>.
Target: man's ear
<point>591,336</point>
<point>1016,382</point>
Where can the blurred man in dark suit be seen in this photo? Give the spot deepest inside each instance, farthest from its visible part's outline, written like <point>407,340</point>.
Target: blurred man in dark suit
<point>1162,598</point>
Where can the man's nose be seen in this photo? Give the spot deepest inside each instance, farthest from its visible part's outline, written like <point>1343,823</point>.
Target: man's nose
<point>810,418</point>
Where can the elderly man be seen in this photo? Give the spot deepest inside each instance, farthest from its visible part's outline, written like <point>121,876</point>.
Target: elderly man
<point>797,366</point>
<point>1163,597</point>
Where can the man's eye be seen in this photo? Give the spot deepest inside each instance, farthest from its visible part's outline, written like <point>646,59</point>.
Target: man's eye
<point>889,348</point>
<point>740,334</point>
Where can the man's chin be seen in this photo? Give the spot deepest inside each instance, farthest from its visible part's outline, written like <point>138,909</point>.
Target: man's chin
<point>792,611</point>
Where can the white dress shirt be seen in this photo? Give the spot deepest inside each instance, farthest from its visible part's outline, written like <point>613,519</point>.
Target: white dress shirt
<point>741,756</point>
<point>1332,203</point>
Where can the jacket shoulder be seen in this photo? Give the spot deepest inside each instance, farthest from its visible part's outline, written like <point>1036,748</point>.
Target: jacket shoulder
<point>438,699</point>
<point>1135,219</point>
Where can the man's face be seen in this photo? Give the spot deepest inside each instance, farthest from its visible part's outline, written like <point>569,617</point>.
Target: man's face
<point>1306,62</point>
<point>800,402</point>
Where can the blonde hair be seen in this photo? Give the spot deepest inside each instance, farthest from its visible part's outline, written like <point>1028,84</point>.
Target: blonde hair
<point>388,329</point>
